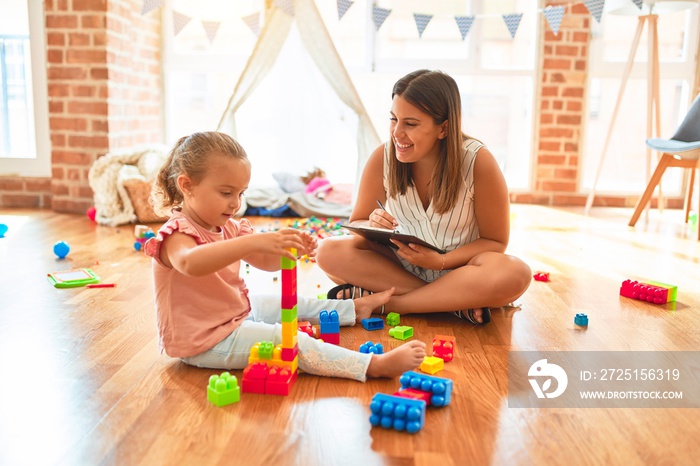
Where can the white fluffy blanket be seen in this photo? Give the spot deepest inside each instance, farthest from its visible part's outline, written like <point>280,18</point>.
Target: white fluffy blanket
<point>108,174</point>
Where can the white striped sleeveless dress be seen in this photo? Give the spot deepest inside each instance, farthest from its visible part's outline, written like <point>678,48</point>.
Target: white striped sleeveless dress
<point>447,231</point>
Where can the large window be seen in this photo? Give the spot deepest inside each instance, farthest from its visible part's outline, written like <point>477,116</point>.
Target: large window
<point>294,121</point>
<point>24,145</point>
<point>624,168</point>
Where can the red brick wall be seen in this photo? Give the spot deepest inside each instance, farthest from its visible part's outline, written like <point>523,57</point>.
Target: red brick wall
<point>104,88</point>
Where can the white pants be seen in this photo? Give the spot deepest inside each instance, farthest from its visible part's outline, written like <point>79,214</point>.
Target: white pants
<point>315,357</point>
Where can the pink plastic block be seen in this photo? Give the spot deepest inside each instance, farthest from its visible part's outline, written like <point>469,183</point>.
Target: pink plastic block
<point>645,292</point>
<point>443,347</point>
<point>280,381</point>
<point>289,283</point>
<point>288,354</point>
<point>254,376</point>
<point>333,338</point>
<point>414,394</point>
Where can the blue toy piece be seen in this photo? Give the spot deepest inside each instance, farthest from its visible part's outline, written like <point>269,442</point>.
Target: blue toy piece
<point>329,322</point>
<point>61,249</point>
<point>370,347</point>
<point>581,320</point>
<point>137,245</point>
<point>3,230</point>
<point>373,323</point>
<point>396,412</point>
<point>440,388</point>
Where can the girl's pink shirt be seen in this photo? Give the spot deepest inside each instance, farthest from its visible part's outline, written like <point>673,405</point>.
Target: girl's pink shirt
<point>195,313</point>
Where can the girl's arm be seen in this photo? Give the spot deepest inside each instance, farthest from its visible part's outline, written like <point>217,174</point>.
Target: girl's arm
<point>492,211</point>
<point>370,191</point>
<point>261,250</point>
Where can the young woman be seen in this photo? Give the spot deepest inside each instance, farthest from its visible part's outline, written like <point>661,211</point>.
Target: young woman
<point>434,182</point>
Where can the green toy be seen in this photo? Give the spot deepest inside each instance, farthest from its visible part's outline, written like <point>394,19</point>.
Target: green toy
<point>401,332</point>
<point>223,389</point>
<point>73,278</point>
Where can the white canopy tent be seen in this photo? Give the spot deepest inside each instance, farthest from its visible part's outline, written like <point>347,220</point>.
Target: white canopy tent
<point>319,45</point>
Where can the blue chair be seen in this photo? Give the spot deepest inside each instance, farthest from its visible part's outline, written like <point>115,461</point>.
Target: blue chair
<point>681,150</point>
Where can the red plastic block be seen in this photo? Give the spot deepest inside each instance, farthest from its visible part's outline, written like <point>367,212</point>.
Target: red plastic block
<point>280,381</point>
<point>657,293</point>
<point>289,283</point>
<point>288,354</point>
<point>541,276</point>
<point>254,376</point>
<point>414,394</point>
<point>307,328</point>
<point>330,338</point>
<point>443,347</point>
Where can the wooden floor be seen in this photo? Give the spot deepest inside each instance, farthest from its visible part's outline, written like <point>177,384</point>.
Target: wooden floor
<point>83,383</point>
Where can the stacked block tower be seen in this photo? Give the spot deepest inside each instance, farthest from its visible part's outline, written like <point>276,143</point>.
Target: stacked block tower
<point>273,371</point>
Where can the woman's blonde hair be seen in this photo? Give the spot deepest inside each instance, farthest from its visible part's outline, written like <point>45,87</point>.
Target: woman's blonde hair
<point>190,157</point>
<point>435,93</point>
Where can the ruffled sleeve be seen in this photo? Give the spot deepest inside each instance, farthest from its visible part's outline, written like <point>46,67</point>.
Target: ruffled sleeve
<point>245,228</point>
<point>176,223</point>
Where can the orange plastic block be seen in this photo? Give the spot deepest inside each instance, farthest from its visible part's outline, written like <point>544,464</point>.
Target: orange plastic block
<point>443,347</point>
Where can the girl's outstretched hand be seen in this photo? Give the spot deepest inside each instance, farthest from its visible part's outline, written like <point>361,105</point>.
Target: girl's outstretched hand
<point>278,242</point>
<point>310,244</point>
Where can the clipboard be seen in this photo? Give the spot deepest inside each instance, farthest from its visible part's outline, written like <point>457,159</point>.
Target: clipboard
<point>383,236</point>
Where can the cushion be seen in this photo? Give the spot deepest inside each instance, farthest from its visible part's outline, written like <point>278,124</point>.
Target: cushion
<point>288,182</point>
<point>139,192</point>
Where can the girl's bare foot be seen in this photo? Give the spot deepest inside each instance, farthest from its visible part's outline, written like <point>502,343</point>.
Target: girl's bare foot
<point>366,304</point>
<point>397,361</point>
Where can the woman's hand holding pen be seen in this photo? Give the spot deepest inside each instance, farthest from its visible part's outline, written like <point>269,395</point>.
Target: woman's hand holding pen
<point>380,218</point>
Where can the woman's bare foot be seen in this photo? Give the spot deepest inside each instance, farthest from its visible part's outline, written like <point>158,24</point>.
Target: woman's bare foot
<point>366,304</point>
<point>397,361</point>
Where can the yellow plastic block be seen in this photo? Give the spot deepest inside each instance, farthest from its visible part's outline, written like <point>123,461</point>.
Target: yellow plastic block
<point>432,364</point>
<point>288,341</point>
<point>290,329</point>
<point>293,365</point>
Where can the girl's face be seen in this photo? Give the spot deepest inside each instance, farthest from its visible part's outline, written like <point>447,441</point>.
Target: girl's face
<point>415,134</point>
<point>218,195</point>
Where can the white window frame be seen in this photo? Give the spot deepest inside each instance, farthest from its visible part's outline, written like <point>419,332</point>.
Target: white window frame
<point>40,165</point>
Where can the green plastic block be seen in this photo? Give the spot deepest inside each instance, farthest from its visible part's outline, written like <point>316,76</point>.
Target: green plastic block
<point>223,389</point>
<point>288,315</point>
<point>401,332</point>
<point>265,350</point>
<point>393,319</point>
<point>672,289</point>
<point>287,264</point>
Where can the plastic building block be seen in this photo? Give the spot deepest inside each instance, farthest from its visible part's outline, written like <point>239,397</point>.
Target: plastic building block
<point>414,394</point>
<point>307,328</point>
<point>280,381</point>
<point>443,347</point>
<point>370,347</point>
<point>399,413</point>
<point>581,320</point>
<point>432,364</point>
<point>373,323</point>
<point>541,276</point>
<point>288,354</point>
<point>401,332</point>
<point>289,314</point>
<point>287,263</point>
<point>329,322</point>
<point>254,376</point>
<point>265,350</point>
<point>440,388</point>
<point>393,319</point>
<point>652,292</point>
<point>333,338</point>
<point>223,390</point>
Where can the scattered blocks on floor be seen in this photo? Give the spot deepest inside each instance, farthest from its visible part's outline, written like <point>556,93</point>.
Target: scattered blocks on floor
<point>439,388</point>
<point>394,412</point>
<point>373,323</point>
<point>581,320</point>
<point>370,347</point>
<point>652,292</point>
<point>401,332</point>
<point>393,319</point>
<point>444,347</point>
<point>432,365</point>
<point>223,389</point>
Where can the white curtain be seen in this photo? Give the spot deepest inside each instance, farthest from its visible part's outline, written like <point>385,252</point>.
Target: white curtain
<point>319,45</point>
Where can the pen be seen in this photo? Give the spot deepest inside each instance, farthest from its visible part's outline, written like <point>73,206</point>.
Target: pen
<point>101,285</point>
<point>381,206</point>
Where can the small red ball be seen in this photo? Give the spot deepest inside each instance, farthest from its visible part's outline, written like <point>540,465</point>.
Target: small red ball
<point>91,213</point>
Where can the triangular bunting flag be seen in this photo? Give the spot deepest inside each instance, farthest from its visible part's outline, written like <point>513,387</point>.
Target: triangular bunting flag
<point>343,7</point>
<point>595,7</point>
<point>379,16</point>
<point>179,21</point>
<point>512,23</point>
<point>211,28</point>
<point>639,3</point>
<point>150,5</point>
<point>464,23</point>
<point>554,15</point>
<point>285,5</point>
<point>253,23</point>
<point>421,22</point>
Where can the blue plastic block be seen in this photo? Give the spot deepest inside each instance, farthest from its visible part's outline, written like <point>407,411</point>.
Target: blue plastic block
<point>439,388</point>
<point>370,347</point>
<point>395,412</point>
<point>373,323</point>
<point>581,319</point>
<point>329,322</point>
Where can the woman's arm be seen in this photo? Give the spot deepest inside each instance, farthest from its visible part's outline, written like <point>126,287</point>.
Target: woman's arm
<point>370,191</point>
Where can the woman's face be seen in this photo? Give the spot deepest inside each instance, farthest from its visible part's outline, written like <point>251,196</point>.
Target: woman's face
<point>415,134</point>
